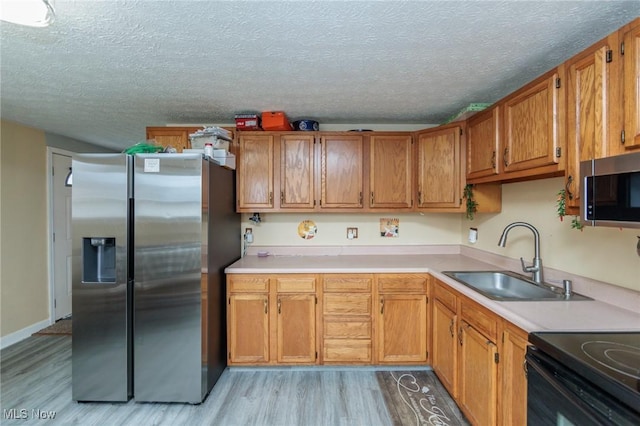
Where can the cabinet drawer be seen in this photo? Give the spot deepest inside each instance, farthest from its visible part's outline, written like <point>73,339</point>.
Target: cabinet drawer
<point>340,329</point>
<point>346,350</point>
<point>403,284</point>
<point>347,304</point>
<point>480,320</point>
<point>304,284</point>
<point>445,296</point>
<point>248,283</point>
<point>347,284</point>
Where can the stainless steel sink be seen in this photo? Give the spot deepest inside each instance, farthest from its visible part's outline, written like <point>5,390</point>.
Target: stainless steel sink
<point>510,286</point>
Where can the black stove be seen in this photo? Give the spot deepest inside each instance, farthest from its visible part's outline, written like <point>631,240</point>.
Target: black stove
<point>610,360</point>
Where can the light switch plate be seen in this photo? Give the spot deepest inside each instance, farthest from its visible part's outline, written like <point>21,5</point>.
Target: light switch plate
<point>352,233</point>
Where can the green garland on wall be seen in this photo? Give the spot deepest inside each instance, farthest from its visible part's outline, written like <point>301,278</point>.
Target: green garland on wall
<point>472,206</point>
<point>561,205</point>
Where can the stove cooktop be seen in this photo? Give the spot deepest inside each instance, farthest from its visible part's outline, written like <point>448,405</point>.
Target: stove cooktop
<point>609,359</point>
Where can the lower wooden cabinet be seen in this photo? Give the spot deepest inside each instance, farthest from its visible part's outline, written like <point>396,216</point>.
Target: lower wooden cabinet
<point>271,315</point>
<point>248,319</point>
<point>445,346</point>
<point>478,356</point>
<point>296,328</point>
<point>364,319</point>
<point>347,320</point>
<point>402,318</point>
<point>478,365</point>
<point>513,383</point>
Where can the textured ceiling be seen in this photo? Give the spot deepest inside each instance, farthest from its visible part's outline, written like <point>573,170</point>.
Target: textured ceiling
<point>107,69</point>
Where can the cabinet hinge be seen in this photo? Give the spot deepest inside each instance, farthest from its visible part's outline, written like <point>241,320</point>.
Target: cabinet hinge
<point>622,48</point>
<point>316,354</point>
<point>558,152</point>
<point>427,354</point>
<point>496,358</point>
<point>622,138</point>
<point>460,131</point>
<point>316,299</point>
<point>558,83</point>
<point>609,56</point>
<point>229,300</point>
<point>503,337</point>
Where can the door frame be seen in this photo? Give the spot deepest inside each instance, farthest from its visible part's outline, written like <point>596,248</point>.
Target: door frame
<point>50,255</point>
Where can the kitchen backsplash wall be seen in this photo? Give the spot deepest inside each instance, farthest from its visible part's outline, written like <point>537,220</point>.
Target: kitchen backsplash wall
<point>605,254</point>
<point>278,229</point>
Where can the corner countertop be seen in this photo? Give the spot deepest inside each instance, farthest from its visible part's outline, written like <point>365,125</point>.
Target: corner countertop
<point>584,315</point>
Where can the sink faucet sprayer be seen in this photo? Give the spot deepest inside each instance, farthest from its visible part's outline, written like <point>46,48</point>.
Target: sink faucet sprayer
<point>536,268</point>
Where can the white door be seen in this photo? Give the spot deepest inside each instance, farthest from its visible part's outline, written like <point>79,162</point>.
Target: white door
<point>61,236</point>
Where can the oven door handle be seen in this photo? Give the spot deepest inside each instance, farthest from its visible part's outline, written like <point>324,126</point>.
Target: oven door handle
<point>557,385</point>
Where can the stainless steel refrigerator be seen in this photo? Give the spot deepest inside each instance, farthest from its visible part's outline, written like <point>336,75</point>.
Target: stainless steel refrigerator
<point>152,234</point>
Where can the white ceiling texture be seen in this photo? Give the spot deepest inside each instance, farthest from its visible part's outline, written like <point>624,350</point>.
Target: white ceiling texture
<point>107,69</point>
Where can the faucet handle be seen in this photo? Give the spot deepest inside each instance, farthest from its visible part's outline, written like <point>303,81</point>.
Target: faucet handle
<point>525,268</point>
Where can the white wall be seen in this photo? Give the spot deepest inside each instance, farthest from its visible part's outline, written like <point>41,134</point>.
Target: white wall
<point>605,254</point>
<point>415,229</point>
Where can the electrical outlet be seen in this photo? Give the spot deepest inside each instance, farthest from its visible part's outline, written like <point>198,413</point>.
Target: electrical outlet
<point>248,235</point>
<point>352,233</point>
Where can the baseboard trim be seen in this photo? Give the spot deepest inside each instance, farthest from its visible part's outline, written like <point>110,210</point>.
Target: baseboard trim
<point>20,335</point>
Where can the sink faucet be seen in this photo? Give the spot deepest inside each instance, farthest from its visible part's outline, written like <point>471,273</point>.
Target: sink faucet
<point>536,268</point>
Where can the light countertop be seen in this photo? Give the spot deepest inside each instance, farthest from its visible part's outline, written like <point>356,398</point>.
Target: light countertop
<point>580,315</point>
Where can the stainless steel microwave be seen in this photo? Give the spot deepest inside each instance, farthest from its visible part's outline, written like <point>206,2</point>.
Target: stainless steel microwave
<point>611,191</point>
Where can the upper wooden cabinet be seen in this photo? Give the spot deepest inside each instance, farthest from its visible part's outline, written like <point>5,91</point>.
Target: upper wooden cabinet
<point>297,171</point>
<point>592,82</point>
<point>177,137</point>
<point>255,182</point>
<point>631,44</point>
<point>483,143</point>
<point>533,126</point>
<point>440,180</point>
<point>341,171</point>
<point>391,171</point>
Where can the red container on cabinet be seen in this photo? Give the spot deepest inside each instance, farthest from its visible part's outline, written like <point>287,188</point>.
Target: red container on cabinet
<point>275,120</point>
<point>247,122</point>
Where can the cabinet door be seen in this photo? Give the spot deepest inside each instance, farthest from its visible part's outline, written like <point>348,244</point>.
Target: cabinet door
<point>483,134</point>
<point>297,171</point>
<point>445,346</point>
<point>341,181</point>
<point>588,103</point>
<point>177,137</point>
<point>439,176</point>
<point>478,377</point>
<point>255,172</point>
<point>402,328</point>
<point>248,318</point>
<point>390,175</point>
<point>532,124</point>
<point>296,328</point>
<point>632,86</point>
<point>514,380</point>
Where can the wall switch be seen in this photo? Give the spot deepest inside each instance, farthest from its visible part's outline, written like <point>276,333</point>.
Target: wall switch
<point>352,233</point>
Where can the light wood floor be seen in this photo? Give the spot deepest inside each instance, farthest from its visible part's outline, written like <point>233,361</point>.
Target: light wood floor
<point>36,375</point>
